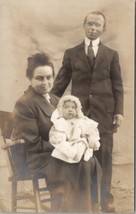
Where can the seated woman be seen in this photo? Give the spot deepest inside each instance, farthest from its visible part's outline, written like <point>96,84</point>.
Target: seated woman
<point>74,187</point>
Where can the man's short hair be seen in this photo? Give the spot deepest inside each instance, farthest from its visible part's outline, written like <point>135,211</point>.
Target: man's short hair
<point>97,13</point>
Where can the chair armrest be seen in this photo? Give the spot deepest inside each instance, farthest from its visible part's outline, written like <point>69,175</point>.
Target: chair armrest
<point>10,143</point>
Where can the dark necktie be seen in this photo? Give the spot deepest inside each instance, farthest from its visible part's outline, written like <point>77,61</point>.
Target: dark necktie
<point>91,55</point>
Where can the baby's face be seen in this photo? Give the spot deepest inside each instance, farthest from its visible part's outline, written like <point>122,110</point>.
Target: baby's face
<point>69,110</point>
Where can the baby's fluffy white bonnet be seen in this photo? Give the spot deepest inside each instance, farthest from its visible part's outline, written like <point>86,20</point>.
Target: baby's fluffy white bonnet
<point>73,99</point>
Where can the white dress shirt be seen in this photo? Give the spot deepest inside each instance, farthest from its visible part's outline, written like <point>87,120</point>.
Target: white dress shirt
<point>95,45</point>
<point>47,97</point>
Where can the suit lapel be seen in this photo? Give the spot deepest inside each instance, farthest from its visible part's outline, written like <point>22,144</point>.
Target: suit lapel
<point>100,55</point>
<point>82,55</point>
<point>46,107</point>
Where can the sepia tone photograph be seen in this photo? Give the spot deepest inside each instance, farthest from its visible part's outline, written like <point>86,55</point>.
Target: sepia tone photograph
<point>67,106</point>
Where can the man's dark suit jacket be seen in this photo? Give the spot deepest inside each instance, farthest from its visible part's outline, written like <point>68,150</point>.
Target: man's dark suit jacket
<point>99,88</point>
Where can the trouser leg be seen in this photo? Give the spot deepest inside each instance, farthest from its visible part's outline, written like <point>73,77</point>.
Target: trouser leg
<point>104,156</point>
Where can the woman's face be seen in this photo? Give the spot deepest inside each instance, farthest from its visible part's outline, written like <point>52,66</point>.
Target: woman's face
<point>42,80</point>
<point>69,110</point>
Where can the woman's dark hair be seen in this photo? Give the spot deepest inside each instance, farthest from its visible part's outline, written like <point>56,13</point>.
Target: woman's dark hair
<point>36,60</point>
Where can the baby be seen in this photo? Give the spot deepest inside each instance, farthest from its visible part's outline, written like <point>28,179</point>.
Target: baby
<point>73,135</point>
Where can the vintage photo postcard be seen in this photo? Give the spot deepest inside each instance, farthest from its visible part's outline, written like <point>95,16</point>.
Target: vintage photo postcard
<point>82,156</point>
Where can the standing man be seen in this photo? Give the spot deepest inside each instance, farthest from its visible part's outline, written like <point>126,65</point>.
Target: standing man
<point>95,75</point>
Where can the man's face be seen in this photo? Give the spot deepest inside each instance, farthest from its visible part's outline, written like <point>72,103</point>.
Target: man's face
<point>69,110</point>
<point>94,26</point>
<point>42,80</point>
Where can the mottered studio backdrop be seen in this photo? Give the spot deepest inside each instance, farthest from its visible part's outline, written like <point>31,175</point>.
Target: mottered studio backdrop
<point>28,26</point>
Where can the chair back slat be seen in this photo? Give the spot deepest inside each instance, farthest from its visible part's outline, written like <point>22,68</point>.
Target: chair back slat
<point>16,154</point>
<point>6,125</point>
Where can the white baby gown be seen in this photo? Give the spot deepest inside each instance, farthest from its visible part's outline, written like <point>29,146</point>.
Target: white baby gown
<point>73,138</point>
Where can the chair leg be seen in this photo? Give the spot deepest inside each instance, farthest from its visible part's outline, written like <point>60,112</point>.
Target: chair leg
<point>14,196</point>
<point>37,195</point>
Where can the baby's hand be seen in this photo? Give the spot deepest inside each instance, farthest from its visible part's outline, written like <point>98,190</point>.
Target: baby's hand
<point>96,146</point>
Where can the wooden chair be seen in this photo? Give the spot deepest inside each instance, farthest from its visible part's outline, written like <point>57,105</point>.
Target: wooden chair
<point>19,172</point>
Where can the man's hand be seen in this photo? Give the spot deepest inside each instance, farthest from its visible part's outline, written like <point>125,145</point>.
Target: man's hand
<point>118,118</point>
